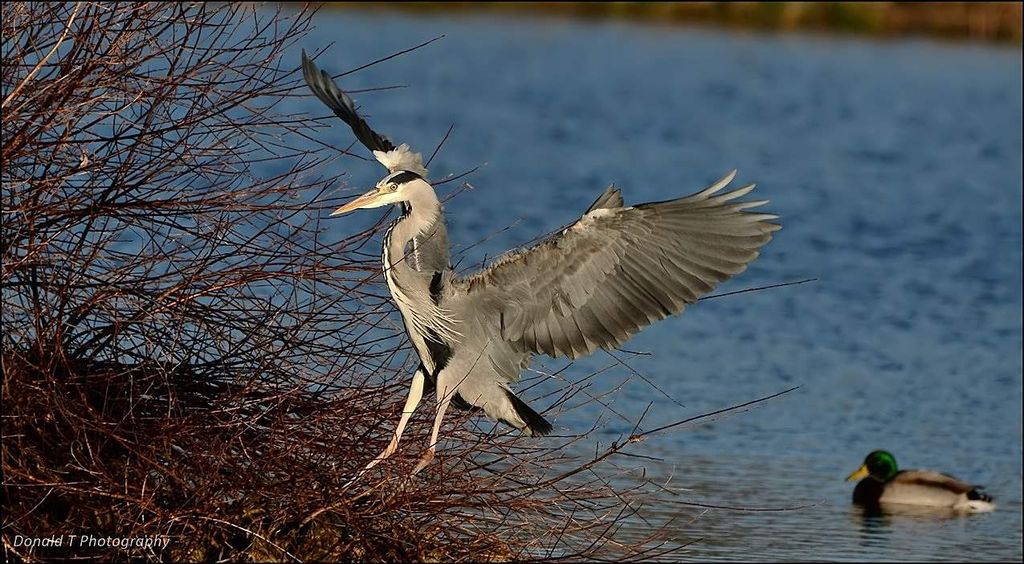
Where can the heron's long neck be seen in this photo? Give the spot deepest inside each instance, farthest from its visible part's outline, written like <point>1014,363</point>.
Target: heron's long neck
<point>411,278</point>
<point>423,210</point>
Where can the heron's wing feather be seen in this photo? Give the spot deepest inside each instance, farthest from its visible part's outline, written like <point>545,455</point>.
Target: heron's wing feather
<point>610,198</point>
<point>341,104</point>
<point>617,270</point>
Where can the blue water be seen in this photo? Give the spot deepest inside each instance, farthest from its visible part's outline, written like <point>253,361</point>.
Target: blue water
<point>896,169</point>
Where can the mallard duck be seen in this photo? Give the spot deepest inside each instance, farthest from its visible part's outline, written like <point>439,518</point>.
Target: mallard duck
<point>882,483</point>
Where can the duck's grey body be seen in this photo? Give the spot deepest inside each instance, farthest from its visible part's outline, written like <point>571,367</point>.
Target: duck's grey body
<point>923,488</point>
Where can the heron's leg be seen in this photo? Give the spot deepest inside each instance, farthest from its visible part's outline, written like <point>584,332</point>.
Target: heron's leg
<point>444,399</point>
<point>415,394</point>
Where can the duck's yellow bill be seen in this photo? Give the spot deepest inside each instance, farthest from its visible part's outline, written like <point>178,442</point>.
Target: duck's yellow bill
<point>861,472</point>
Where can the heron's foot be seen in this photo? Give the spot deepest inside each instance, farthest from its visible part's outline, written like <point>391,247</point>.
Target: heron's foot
<point>427,457</point>
<point>392,447</point>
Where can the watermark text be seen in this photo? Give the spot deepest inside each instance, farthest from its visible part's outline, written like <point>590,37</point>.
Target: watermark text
<point>92,541</point>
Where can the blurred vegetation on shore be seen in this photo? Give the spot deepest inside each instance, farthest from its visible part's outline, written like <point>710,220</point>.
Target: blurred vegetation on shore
<point>988,21</point>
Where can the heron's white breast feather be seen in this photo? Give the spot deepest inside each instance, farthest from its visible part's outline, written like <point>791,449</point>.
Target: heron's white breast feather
<point>402,158</point>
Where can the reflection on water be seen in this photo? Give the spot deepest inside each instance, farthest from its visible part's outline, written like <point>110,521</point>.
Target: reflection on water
<point>887,529</point>
<point>896,170</point>
<point>921,511</point>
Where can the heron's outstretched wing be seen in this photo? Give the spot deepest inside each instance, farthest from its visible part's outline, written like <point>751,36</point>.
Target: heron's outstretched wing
<point>615,271</point>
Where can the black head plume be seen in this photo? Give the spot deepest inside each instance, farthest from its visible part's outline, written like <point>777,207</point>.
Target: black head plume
<point>341,104</point>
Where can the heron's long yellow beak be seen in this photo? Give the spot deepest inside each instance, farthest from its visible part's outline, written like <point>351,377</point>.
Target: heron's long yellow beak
<point>861,472</point>
<point>364,201</point>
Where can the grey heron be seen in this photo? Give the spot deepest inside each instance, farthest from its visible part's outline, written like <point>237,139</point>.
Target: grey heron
<point>593,285</point>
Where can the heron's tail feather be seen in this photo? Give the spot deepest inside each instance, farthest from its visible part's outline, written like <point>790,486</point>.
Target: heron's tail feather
<point>535,424</point>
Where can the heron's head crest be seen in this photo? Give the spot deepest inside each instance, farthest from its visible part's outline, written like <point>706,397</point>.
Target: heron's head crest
<point>401,158</point>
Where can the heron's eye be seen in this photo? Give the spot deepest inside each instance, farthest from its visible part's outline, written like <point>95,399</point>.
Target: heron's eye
<point>392,187</point>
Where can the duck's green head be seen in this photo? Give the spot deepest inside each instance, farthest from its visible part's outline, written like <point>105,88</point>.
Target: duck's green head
<point>880,465</point>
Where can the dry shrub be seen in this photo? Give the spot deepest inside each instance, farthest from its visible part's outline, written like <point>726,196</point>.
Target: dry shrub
<point>184,355</point>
